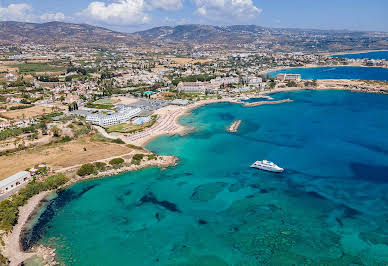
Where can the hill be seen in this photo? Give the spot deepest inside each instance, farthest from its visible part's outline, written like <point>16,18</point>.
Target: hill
<point>248,37</point>
<point>59,33</point>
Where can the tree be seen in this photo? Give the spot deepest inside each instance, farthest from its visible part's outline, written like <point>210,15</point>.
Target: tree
<point>116,161</point>
<point>87,169</point>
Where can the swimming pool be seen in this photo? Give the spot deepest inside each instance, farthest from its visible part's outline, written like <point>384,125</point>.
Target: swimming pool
<point>141,120</point>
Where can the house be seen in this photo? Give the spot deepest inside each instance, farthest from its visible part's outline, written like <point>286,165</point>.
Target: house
<point>14,181</point>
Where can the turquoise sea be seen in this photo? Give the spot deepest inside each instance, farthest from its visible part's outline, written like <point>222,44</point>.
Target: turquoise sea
<point>364,73</point>
<point>369,55</point>
<point>330,206</point>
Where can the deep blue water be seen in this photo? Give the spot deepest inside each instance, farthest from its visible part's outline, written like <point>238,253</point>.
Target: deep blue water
<point>370,55</point>
<point>363,73</point>
<point>329,207</point>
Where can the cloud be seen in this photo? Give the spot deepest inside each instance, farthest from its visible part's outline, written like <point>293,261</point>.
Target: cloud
<point>52,17</point>
<point>169,5</point>
<point>224,10</point>
<point>17,12</point>
<point>123,12</point>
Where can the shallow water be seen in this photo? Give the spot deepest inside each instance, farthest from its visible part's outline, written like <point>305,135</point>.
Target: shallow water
<point>369,55</point>
<point>329,207</point>
<point>363,73</point>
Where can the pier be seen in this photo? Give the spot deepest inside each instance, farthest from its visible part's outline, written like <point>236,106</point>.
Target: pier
<point>266,102</point>
<point>234,126</point>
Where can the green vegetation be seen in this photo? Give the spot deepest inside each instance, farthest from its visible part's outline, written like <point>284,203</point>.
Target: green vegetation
<point>9,211</point>
<point>116,161</point>
<point>136,159</point>
<point>13,132</point>
<point>134,147</point>
<point>37,67</point>
<point>291,84</point>
<point>152,156</point>
<point>87,169</point>
<point>130,128</point>
<point>100,166</point>
<point>99,106</point>
<point>3,260</point>
<point>193,78</point>
<point>19,107</point>
<point>118,141</point>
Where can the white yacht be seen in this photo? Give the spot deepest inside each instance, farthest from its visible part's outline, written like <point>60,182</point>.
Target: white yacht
<point>267,166</point>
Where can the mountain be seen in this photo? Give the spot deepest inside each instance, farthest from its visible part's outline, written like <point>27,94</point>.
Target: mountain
<point>59,33</point>
<point>256,37</point>
<point>194,36</point>
<point>201,33</point>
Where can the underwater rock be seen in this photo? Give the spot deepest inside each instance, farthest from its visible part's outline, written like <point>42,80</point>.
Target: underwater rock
<point>235,187</point>
<point>150,198</point>
<point>208,191</point>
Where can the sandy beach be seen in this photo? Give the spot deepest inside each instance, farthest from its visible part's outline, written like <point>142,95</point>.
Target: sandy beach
<point>168,123</point>
<point>13,250</point>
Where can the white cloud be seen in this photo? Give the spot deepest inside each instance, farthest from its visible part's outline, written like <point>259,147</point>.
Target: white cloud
<point>52,17</point>
<point>224,10</point>
<point>170,5</point>
<point>17,12</point>
<point>123,12</point>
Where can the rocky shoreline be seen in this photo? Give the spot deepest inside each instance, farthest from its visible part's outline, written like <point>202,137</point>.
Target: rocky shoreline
<point>13,249</point>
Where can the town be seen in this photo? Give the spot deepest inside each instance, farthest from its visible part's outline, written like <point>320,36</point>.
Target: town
<point>49,96</point>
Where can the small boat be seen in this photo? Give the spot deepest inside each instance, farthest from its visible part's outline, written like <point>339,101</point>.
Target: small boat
<point>267,166</point>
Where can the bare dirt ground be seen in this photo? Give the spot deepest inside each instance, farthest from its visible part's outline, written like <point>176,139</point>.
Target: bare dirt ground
<point>183,61</point>
<point>124,100</point>
<point>27,113</point>
<point>60,155</point>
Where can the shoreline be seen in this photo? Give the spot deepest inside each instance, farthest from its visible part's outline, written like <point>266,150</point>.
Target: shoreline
<point>267,71</point>
<point>355,52</point>
<point>27,211</point>
<point>12,247</point>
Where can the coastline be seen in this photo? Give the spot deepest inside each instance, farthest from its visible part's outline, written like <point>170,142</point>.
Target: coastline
<point>354,64</point>
<point>354,52</point>
<point>12,248</point>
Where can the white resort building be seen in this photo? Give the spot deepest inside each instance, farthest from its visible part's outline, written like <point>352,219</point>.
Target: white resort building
<point>14,181</point>
<point>113,118</point>
<point>192,86</point>
<point>288,77</point>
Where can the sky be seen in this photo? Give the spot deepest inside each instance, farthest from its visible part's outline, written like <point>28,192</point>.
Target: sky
<point>136,15</point>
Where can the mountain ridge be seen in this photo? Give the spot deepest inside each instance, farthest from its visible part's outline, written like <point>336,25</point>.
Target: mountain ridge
<point>191,35</point>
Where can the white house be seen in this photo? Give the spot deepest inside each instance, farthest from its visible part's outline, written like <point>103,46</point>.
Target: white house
<point>14,181</point>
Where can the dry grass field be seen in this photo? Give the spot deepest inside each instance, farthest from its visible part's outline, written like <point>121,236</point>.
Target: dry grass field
<point>26,113</point>
<point>60,155</point>
<point>183,61</point>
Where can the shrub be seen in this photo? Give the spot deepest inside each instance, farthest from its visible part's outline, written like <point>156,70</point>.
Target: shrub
<point>151,156</point>
<point>116,161</point>
<point>87,169</point>
<point>9,208</point>
<point>100,166</point>
<point>66,139</point>
<point>118,141</point>
<point>134,147</point>
<point>136,159</point>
